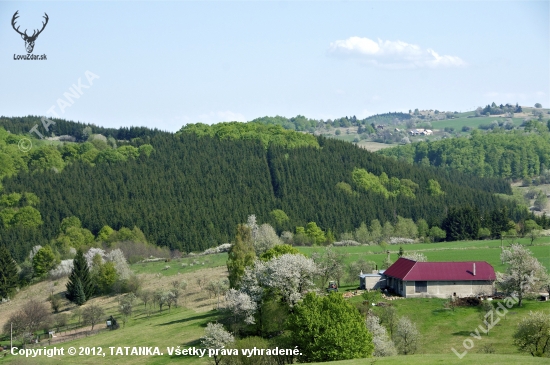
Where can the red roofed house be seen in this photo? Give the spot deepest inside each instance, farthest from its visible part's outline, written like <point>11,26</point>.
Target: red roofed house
<point>412,279</point>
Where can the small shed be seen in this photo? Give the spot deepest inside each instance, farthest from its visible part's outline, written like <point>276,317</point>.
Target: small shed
<point>374,280</point>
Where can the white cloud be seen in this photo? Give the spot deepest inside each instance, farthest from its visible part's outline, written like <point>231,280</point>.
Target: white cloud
<point>392,54</point>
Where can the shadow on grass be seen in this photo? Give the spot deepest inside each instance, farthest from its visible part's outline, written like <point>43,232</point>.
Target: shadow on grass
<point>183,320</point>
<point>462,333</point>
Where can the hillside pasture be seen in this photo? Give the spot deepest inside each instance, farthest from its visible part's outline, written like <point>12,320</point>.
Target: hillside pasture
<point>458,123</point>
<point>483,250</point>
<point>473,359</point>
<point>442,328</point>
<point>373,146</point>
<point>181,265</point>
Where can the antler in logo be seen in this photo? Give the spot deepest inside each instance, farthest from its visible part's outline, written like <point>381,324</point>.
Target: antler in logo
<point>29,40</point>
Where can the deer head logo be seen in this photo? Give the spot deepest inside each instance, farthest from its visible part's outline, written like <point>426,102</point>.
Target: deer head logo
<point>29,40</point>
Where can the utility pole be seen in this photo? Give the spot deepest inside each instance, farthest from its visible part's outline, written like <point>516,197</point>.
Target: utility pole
<point>11,336</point>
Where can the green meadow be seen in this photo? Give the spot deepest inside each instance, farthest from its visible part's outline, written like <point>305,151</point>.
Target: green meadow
<point>485,250</point>
<point>458,123</point>
<point>441,328</point>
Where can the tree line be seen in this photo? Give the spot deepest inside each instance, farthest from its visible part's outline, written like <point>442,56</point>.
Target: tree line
<point>62,127</point>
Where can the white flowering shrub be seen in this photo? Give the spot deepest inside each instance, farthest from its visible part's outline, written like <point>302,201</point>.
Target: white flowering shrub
<point>288,275</point>
<point>287,237</point>
<point>33,252</point>
<point>415,256</point>
<point>240,305</point>
<point>63,269</point>
<point>121,265</point>
<point>265,238</point>
<point>220,249</point>
<point>383,345</point>
<point>347,243</point>
<point>216,337</point>
<point>251,223</point>
<point>92,252</point>
<point>400,241</point>
<point>407,336</point>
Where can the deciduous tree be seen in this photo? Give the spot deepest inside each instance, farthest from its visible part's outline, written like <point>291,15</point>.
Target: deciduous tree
<point>524,273</point>
<point>329,328</point>
<point>533,334</point>
<point>216,337</point>
<point>44,261</point>
<point>32,316</point>
<point>92,314</point>
<point>407,336</point>
<point>383,345</point>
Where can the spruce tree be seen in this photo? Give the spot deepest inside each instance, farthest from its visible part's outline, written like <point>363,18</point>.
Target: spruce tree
<point>80,297</point>
<point>8,273</point>
<point>81,273</point>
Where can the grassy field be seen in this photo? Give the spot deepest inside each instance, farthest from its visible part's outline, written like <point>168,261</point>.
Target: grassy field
<point>458,123</point>
<point>373,146</point>
<point>444,251</point>
<point>181,266</point>
<point>179,327</point>
<point>441,328</point>
<point>473,359</point>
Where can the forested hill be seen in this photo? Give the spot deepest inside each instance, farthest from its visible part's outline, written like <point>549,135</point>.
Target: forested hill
<point>511,155</point>
<point>192,190</point>
<point>62,127</point>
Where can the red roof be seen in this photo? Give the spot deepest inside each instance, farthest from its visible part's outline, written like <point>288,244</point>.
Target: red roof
<point>409,270</point>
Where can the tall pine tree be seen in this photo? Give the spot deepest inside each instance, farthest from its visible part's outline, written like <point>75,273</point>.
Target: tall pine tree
<point>80,274</point>
<point>8,273</point>
<point>80,297</point>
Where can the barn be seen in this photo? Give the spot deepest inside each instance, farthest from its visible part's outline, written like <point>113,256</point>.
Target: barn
<point>412,279</point>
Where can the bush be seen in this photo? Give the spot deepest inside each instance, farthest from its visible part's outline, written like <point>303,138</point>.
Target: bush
<point>249,343</point>
<point>347,243</point>
<point>220,249</point>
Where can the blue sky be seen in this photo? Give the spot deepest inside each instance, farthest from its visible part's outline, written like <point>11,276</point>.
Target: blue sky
<point>165,64</point>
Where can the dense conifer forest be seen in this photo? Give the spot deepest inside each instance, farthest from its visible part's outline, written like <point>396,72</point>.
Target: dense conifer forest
<point>62,127</point>
<point>191,190</point>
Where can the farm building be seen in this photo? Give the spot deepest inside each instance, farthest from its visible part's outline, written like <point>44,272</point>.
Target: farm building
<point>420,131</point>
<point>412,279</point>
<point>376,280</point>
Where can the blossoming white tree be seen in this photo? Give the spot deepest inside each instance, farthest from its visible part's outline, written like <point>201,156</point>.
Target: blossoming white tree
<point>524,274</point>
<point>240,305</point>
<point>383,345</point>
<point>121,266</point>
<point>289,276</point>
<point>216,337</point>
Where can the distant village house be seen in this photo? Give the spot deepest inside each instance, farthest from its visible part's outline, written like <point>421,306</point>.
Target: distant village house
<point>420,131</point>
